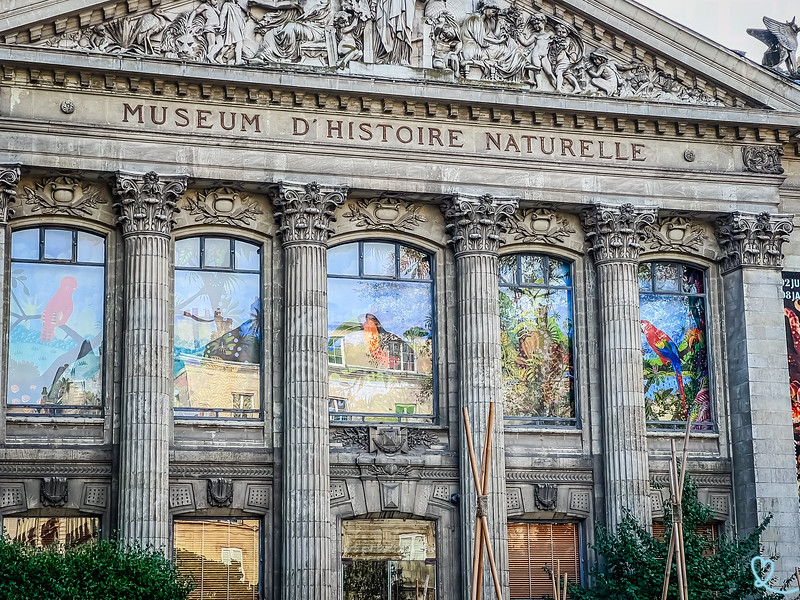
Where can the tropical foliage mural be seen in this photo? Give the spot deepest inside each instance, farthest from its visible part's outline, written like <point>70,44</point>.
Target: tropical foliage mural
<point>536,337</point>
<point>56,322</point>
<point>380,331</point>
<point>217,365</point>
<point>674,344</point>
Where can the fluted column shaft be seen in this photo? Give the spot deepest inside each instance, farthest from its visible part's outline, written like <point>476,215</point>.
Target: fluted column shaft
<point>146,205</point>
<point>475,225</point>
<point>305,213</point>
<point>614,233</point>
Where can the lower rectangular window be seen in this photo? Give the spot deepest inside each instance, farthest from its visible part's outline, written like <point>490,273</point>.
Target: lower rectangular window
<point>44,531</point>
<point>223,556</point>
<point>535,550</point>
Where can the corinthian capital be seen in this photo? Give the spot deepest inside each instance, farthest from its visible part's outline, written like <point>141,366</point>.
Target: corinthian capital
<point>475,223</point>
<point>9,178</point>
<point>614,232</point>
<point>146,203</point>
<point>306,210</point>
<point>752,240</point>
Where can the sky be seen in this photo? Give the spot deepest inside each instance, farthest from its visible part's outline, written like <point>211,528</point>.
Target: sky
<point>726,21</point>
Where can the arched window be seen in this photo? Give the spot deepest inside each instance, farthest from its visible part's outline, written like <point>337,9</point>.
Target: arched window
<point>674,343</point>
<point>536,331</point>
<point>57,312</point>
<point>217,356</point>
<point>380,332</point>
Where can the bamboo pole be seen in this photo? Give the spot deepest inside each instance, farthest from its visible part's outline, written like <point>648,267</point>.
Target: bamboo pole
<point>677,519</point>
<point>565,586</point>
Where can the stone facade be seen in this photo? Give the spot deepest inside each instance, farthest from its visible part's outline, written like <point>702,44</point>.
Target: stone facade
<point>398,134</point>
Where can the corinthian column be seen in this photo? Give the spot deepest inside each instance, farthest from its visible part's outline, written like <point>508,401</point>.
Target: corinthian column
<point>613,233</point>
<point>146,204</point>
<point>765,479</point>
<point>9,178</point>
<point>475,225</point>
<point>305,213</point>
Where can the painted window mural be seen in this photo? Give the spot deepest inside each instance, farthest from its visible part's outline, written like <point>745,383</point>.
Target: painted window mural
<point>674,344</point>
<point>791,310</point>
<point>380,332</point>
<point>536,339</point>
<point>55,349</point>
<point>217,364</point>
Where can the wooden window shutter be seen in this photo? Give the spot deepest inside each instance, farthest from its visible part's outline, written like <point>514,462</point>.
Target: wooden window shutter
<point>534,546</point>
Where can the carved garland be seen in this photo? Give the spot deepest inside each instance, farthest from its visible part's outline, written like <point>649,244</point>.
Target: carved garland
<point>753,240</point>
<point>223,206</point>
<point>384,213</point>
<point>539,226</point>
<point>675,234</point>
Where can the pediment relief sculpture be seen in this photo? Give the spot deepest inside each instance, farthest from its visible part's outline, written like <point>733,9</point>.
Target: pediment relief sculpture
<point>513,42</point>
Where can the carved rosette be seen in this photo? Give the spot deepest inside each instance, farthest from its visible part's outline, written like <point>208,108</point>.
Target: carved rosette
<point>384,213</point>
<point>539,226</point>
<point>54,491</point>
<point>63,196</point>
<point>305,212</point>
<point>762,159</point>
<point>147,203</point>
<point>675,234</point>
<point>614,232</point>
<point>220,492</point>
<point>223,206</point>
<point>475,224</point>
<point>753,240</point>
<point>9,178</point>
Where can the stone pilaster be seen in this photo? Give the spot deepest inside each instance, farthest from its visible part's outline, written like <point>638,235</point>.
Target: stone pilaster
<point>9,179</point>
<point>474,225</point>
<point>145,205</point>
<point>614,233</point>
<point>305,213</point>
<point>758,381</point>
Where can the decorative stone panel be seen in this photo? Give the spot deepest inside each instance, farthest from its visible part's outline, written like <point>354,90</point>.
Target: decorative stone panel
<point>54,491</point>
<point>12,497</point>
<point>580,502</point>
<point>63,195</point>
<point>219,492</point>
<point>390,495</point>
<point>441,492</point>
<point>720,504</point>
<point>338,490</point>
<point>94,496</point>
<point>656,504</point>
<point>257,497</point>
<point>181,496</point>
<point>514,501</point>
<point>9,178</point>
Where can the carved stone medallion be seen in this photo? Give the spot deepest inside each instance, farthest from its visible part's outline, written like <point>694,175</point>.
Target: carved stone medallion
<point>223,206</point>
<point>675,234</point>
<point>545,495</point>
<point>54,491</point>
<point>539,226</point>
<point>63,195</point>
<point>384,213</point>
<point>763,159</point>
<point>220,492</point>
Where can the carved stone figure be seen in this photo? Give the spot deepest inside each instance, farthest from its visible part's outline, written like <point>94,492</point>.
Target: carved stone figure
<point>347,47</point>
<point>446,42</point>
<point>538,39</point>
<point>233,20</point>
<point>603,73</point>
<point>185,39</point>
<point>487,45</point>
<point>210,14</point>
<point>148,26</point>
<point>781,39</point>
<point>565,52</point>
<point>394,20</point>
<point>291,32</point>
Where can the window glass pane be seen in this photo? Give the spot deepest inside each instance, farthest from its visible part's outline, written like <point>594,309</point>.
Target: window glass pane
<point>675,355</point>
<point>248,258</point>
<point>222,555</point>
<point>55,338</point>
<point>645,277</point>
<point>535,550</point>
<point>91,248</point>
<point>217,344</point>
<point>532,269</point>
<point>58,244</point>
<point>25,244</point>
<point>380,346</point>
<point>414,264</point>
<point>667,277</point>
<point>217,253</point>
<point>389,558</point>
<point>693,281</point>
<point>44,531</point>
<point>187,253</point>
<point>508,269</point>
<point>536,331</point>
<point>559,273</point>
<point>343,260</point>
<point>379,259</point>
